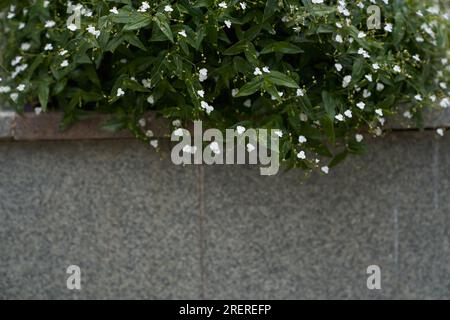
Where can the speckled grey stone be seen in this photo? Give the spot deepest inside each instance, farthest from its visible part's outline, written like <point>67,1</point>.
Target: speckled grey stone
<point>6,121</point>
<point>126,218</point>
<point>281,238</point>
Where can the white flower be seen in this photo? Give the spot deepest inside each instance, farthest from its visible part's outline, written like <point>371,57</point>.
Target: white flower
<point>388,27</point>
<point>369,77</point>
<point>48,47</point>
<point>416,57</point>
<point>176,123</point>
<point>366,93</point>
<point>445,103</point>
<point>303,117</point>
<point>154,143</point>
<point>207,107</point>
<point>250,147</point>
<point>325,169</point>
<point>380,86</point>
<point>361,35</point>
<point>65,63</point>
<point>433,98</point>
<point>301,155</point>
<point>317,1</point>
<point>339,117</point>
<point>151,100</point>
<point>72,27</point>
<point>5,89</point>
<point>248,103</point>
<point>49,24</point>
<point>397,69</point>
<point>14,96</point>
<point>407,114</point>
<point>38,111</point>
<point>379,112</point>
<point>16,61</point>
<point>223,5</point>
<point>300,93</point>
<point>182,33</point>
<point>91,29</point>
<point>144,7</point>
<point>243,5</point>
<point>168,8</point>
<point>120,92</point>
<point>266,70</point>
<point>234,92</point>
<point>142,122</point>
<point>376,66</point>
<point>361,105</point>
<point>203,75</point>
<point>359,137</point>
<point>25,46</point>
<point>63,52</point>
<point>201,93</point>
<point>228,23</point>
<point>418,97</point>
<point>21,87</point>
<point>240,130</point>
<point>114,10</point>
<point>346,81</point>
<point>179,132</point>
<point>338,67</point>
<point>348,113</point>
<point>257,72</point>
<point>339,39</point>
<point>302,139</point>
<point>149,134</point>
<point>363,53</point>
<point>440,132</point>
<point>279,133</point>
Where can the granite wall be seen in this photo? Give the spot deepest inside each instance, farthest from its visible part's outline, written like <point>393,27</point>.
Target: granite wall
<point>140,227</point>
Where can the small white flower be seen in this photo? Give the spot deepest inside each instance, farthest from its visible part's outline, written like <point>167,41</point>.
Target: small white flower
<point>376,66</point>
<point>445,103</point>
<point>279,133</point>
<point>339,117</point>
<point>234,92</point>
<point>14,96</point>
<point>21,87</point>
<point>266,70</point>
<point>418,97</point>
<point>361,105</point>
<point>223,5</point>
<point>120,92</point>
<point>397,69</point>
<point>203,74</point>
<point>48,47</point>
<point>168,8</point>
<point>228,23</point>
<point>72,27</point>
<point>142,122</point>
<point>348,113</point>
<point>49,24</point>
<point>25,46</point>
<point>338,67</point>
<point>149,134</point>
<point>38,110</point>
<point>151,100</point>
<point>248,103</point>
<point>339,39</point>
<point>325,169</point>
<point>63,52</point>
<point>361,35</point>
<point>440,132</point>
<point>250,147</point>
<point>359,137</point>
<point>257,72</point>
<point>317,1</point>
<point>154,143</point>
<point>346,81</point>
<point>243,5</point>
<point>416,57</point>
<point>388,27</point>
<point>65,63</point>
<point>407,114</point>
<point>369,77</point>
<point>201,93</point>
<point>302,139</point>
<point>301,155</point>
<point>300,93</point>
<point>366,93</point>
<point>182,33</point>
<point>240,130</point>
<point>114,10</point>
<point>379,112</point>
<point>380,86</point>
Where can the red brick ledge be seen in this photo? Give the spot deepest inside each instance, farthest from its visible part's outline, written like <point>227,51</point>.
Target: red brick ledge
<point>46,126</point>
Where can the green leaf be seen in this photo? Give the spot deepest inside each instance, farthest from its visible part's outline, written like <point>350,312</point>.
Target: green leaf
<point>329,104</point>
<point>282,47</point>
<point>250,87</point>
<point>163,24</point>
<point>43,93</point>
<point>281,79</point>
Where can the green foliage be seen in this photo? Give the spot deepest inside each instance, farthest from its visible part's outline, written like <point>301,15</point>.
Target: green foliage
<point>309,69</point>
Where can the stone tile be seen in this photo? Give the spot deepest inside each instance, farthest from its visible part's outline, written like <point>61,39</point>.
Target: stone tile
<point>285,238</point>
<point>127,218</point>
<point>6,122</point>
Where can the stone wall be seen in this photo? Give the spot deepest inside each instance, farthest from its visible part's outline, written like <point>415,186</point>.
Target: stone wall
<point>140,227</point>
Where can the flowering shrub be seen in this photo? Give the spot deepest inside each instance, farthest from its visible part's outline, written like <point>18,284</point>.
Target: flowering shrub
<point>314,69</point>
